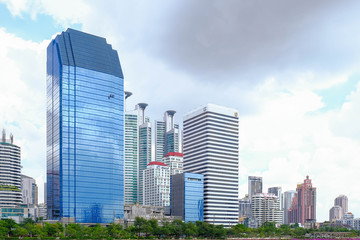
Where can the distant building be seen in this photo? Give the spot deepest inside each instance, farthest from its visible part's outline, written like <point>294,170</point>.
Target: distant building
<point>187,196</point>
<point>174,161</point>
<point>131,211</point>
<point>255,186</point>
<point>335,213</point>
<point>144,150</point>
<point>357,224</point>
<point>342,201</point>
<point>211,148</point>
<point>166,136</point>
<point>347,220</point>
<point>288,197</point>
<point>303,206</point>
<point>156,184</point>
<point>137,151</point>
<point>10,172</point>
<point>266,208</point>
<point>29,190</point>
<point>245,207</point>
<point>277,191</point>
<point>42,211</point>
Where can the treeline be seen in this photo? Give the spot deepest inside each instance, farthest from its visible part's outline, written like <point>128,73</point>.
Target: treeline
<point>150,229</point>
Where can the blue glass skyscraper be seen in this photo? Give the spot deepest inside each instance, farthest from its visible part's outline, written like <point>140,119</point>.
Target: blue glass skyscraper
<point>85,129</point>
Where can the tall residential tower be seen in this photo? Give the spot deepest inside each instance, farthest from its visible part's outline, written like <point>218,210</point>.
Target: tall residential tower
<point>210,148</point>
<point>85,129</point>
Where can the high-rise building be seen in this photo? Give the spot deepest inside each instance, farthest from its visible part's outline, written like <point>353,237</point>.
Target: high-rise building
<point>85,129</point>
<point>166,136</point>
<point>137,151</point>
<point>187,196</point>
<point>210,148</point>
<point>277,191</point>
<point>254,185</point>
<point>10,172</point>
<point>288,197</point>
<point>335,213</point>
<point>303,206</point>
<point>265,207</point>
<point>156,184</point>
<point>144,150</point>
<point>174,161</point>
<point>29,190</point>
<point>342,201</point>
<point>245,207</point>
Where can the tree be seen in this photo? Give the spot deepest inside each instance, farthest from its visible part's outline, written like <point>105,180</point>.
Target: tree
<point>20,232</point>
<point>139,225</point>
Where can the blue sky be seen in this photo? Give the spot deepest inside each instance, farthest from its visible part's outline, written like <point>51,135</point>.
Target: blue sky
<point>291,68</point>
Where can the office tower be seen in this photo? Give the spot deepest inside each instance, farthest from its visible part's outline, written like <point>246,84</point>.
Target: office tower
<point>265,207</point>
<point>255,185</point>
<point>303,206</point>
<point>137,147</point>
<point>245,207</point>
<point>187,196</point>
<point>166,136</point>
<point>210,147</point>
<point>10,172</point>
<point>156,184</point>
<point>288,197</point>
<point>335,213</point>
<point>342,201</point>
<point>85,129</point>
<point>144,149</point>
<point>174,161</point>
<point>29,190</point>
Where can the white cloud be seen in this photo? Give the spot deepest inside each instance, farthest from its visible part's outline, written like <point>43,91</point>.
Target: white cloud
<point>22,99</point>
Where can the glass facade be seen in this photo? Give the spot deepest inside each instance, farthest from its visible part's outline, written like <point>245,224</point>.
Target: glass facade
<point>187,196</point>
<point>131,158</point>
<point>144,155</point>
<point>85,129</point>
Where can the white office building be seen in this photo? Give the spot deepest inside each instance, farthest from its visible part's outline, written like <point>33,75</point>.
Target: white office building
<point>210,147</point>
<point>156,184</point>
<point>266,208</point>
<point>10,172</point>
<point>174,161</point>
<point>29,190</point>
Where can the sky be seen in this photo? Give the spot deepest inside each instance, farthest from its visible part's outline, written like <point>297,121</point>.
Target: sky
<point>290,68</point>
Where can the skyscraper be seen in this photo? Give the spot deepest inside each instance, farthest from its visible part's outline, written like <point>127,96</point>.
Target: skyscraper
<point>144,149</point>
<point>303,206</point>
<point>166,136</point>
<point>85,129</point>
<point>10,172</point>
<point>210,147</point>
<point>137,151</point>
<point>342,201</point>
<point>288,197</point>
<point>254,185</point>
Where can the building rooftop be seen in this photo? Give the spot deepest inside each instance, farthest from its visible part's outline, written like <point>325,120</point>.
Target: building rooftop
<point>174,154</point>
<point>157,163</point>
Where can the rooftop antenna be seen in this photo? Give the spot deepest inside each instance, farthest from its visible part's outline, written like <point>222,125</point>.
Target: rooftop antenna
<point>11,138</point>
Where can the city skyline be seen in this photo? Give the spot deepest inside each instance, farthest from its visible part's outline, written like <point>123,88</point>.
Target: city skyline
<point>297,91</point>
